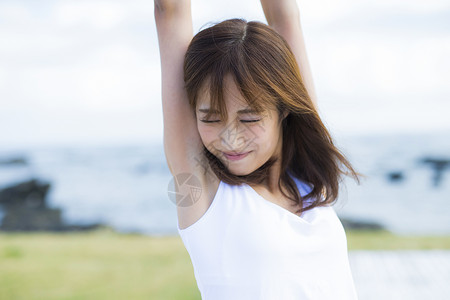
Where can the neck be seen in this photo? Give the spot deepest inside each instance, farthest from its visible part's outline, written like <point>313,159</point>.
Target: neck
<point>271,183</point>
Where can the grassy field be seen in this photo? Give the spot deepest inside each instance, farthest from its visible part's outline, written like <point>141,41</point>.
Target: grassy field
<point>103,264</point>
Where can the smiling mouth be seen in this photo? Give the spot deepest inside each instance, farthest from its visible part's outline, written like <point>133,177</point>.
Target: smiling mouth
<point>235,156</point>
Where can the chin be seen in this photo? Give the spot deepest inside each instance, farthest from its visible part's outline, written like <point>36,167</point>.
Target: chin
<point>240,172</point>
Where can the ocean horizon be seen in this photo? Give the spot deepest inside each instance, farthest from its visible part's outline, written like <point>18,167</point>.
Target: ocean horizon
<point>126,186</point>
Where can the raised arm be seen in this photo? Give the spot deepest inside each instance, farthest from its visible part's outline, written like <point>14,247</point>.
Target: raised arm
<point>183,146</point>
<point>284,17</point>
<point>174,28</point>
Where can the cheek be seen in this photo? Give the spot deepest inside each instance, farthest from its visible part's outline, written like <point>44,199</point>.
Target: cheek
<point>259,134</point>
<point>265,136</point>
<point>207,133</point>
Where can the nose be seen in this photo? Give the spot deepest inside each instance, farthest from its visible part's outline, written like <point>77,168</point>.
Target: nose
<point>234,138</point>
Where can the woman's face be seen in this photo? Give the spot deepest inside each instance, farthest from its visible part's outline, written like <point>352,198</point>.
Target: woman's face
<point>255,136</point>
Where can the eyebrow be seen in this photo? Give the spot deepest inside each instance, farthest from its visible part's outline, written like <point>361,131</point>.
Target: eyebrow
<point>247,110</point>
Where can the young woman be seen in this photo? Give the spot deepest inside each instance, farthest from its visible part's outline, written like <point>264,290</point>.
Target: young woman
<point>240,117</point>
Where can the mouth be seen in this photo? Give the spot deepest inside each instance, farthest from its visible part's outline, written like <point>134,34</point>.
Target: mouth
<point>235,155</point>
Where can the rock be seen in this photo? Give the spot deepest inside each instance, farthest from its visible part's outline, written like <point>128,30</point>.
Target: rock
<point>439,165</point>
<point>24,219</point>
<point>82,227</point>
<point>29,194</point>
<point>396,176</point>
<point>41,219</point>
<point>13,161</point>
<point>353,224</point>
<point>25,209</point>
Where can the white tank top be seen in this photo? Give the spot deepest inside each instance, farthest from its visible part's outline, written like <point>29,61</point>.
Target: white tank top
<point>246,247</point>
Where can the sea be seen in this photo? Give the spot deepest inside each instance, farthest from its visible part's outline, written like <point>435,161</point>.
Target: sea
<point>405,185</point>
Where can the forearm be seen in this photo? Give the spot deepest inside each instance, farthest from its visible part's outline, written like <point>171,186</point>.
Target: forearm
<point>171,6</point>
<point>173,19</point>
<point>284,17</point>
<point>279,11</point>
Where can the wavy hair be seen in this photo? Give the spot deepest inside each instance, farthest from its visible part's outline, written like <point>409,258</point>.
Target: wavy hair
<point>267,74</point>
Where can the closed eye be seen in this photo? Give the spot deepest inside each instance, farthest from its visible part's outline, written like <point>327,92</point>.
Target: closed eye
<point>207,121</point>
<point>243,121</point>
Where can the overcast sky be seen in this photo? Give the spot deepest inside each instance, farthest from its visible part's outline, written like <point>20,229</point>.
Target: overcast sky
<point>88,71</point>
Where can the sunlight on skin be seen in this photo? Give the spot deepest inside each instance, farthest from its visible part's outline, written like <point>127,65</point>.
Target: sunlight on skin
<point>241,133</point>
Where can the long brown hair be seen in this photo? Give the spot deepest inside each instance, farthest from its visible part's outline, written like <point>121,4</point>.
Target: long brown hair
<point>267,75</point>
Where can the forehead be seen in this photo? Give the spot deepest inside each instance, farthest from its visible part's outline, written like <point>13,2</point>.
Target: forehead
<point>231,91</point>
<point>231,95</point>
<point>246,110</point>
<point>228,97</point>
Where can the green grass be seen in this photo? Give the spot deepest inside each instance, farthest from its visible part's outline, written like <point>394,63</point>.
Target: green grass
<point>97,265</point>
<point>106,265</point>
<point>384,240</point>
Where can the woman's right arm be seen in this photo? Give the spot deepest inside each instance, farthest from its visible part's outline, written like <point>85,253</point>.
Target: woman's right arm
<point>181,139</point>
<point>183,146</point>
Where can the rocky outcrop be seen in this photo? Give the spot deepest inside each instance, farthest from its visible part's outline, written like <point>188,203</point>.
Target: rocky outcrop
<point>438,165</point>
<point>13,161</point>
<point>353,224</point>
<point>25,209</point>
<point>396,176</point>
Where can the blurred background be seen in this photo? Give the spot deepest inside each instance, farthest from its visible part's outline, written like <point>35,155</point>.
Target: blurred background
<point>81,117</point>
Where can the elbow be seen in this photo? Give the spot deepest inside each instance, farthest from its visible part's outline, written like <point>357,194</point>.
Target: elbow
<point>169,6</point>
<point>281,15</point>
<point>161,5</point>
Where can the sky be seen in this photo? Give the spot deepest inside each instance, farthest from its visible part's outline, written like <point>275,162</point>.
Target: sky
<point>75,72</point>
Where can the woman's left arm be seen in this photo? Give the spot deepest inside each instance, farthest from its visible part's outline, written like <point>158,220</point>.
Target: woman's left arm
<point>284,17</point>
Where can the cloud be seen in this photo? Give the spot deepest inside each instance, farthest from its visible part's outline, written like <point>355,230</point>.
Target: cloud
<point>99,60</point>
<point>98,14</point>
<point>352,65</point>
<point>12,12</point>
<point>324,12</point>
<point>115,78</point>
